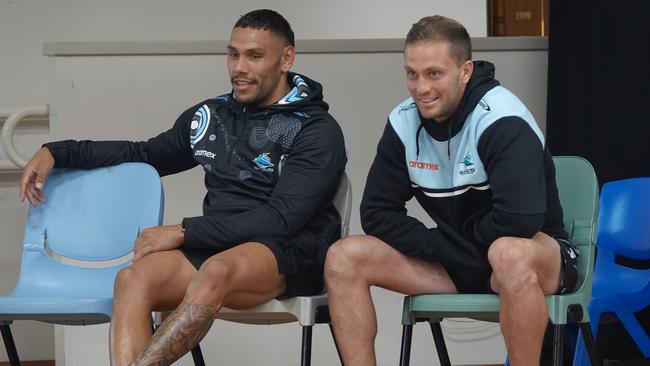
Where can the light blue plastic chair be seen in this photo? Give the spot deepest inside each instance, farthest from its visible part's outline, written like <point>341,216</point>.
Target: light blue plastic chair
<point>76,242</point>
<point>623,229</point>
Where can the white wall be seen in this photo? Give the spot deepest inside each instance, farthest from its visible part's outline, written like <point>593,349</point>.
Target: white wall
<point>102,97</point>
<point>26,24</point>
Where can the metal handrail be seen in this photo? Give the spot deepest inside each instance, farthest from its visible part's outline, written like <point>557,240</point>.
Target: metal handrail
<point>16,161</point>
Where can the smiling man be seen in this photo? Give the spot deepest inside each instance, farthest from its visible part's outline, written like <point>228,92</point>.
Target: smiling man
<point>474,158</point>
<point>273,158</point>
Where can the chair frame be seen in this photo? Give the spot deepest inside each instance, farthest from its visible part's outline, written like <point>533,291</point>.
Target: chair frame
<point>307,310</point>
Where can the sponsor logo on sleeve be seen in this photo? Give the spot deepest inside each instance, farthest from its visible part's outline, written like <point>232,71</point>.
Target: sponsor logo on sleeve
<point>206,153</point>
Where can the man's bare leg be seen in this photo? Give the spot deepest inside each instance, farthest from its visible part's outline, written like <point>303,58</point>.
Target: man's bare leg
<point>241,277</point>
<point>353,265</point>
<point>157,282</point>
<point>524,270</point>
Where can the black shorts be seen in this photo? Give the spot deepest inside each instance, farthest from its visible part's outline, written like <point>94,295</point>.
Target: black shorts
<point>569,269</point>
<point>300,259</point>
<point>479,281</point>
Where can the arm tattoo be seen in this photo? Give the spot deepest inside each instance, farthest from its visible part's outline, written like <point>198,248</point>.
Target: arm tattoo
<point>177,335</point>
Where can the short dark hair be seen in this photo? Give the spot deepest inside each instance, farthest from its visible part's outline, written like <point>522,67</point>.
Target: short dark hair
<point>440,28</point>
<point>268,20</point>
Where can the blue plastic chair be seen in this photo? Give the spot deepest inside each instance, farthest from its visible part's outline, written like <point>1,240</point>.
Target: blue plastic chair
<point>623,229</point>
<point>76,242</point>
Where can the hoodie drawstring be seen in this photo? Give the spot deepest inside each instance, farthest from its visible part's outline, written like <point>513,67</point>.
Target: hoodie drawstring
<point>449,140</point>
<point>417,141</point>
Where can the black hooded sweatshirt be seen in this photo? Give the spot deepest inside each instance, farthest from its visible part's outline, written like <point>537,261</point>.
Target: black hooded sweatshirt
<point>270,171</point>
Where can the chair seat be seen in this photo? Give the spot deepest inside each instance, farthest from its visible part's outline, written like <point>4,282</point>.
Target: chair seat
<point>461,305</point>
<point>301,309</point>
<point>624,281</point>
<point>480,307</point>
<point>60,310</point>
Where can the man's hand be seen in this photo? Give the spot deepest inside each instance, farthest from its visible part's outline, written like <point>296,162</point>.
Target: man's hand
<point>34,175</point>
<point>157,239</point>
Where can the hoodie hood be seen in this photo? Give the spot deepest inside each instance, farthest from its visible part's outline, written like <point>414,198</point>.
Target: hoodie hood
<point>481,81</point>
<point>305,94</point>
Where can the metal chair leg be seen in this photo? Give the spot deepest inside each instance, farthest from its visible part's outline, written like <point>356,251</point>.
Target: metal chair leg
<point>439,340</point>
<point>10,346</point>
<point>197,356</point>
<point>305,354</point>
<point>576,315</point>
<point>405,352</point>
<point>558,344</point>
<point>588,337</point>
<point>336,344</point>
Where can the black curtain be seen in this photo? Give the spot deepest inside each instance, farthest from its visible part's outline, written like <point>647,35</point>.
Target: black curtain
<point>599,106</point>
<point>599,85</point>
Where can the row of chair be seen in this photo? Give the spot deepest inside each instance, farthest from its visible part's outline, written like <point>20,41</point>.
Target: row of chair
<point>58,285</point>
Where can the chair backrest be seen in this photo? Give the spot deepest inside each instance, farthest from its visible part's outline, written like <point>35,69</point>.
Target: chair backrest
<point>578,190</point>
<point>80,237</point>
<point>343,203</point>
<point>624,221</point>
<point>95,215</point>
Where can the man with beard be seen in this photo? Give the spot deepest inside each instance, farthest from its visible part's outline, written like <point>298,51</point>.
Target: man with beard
<point>273,158</point>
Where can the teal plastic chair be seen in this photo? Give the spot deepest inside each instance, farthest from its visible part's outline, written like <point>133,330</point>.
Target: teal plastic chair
<point>578,190</point>
<point>76,242</point>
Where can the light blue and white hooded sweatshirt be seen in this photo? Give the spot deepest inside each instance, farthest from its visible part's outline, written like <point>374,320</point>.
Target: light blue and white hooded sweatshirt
<point>482,174</point>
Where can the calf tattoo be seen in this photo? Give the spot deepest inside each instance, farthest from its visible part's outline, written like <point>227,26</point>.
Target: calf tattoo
<point>177,335</point>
